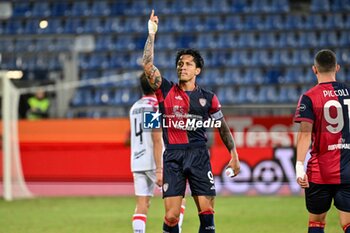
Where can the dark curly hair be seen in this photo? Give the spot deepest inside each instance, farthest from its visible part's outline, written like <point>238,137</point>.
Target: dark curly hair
<point>145,87</point>
<point>198,59</point>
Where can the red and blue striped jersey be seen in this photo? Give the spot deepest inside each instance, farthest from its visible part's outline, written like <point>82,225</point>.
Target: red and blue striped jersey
<point>327,106</point>
<point>185,113</point>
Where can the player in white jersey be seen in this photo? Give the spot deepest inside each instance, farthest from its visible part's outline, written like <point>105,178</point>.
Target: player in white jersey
<point>146,156</point>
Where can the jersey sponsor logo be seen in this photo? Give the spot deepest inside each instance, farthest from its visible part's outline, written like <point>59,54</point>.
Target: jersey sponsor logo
<point>302,107</point>
<point>178,97</point>
<point>139,154</point>
<point>151,120</point>
<point>202,102</point>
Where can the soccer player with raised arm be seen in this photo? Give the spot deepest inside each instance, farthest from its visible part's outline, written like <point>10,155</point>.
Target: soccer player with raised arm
<point>186,108</point>
<point>323,113</point>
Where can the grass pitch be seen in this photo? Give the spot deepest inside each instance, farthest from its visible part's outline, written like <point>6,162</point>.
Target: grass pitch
<point>234,214</point>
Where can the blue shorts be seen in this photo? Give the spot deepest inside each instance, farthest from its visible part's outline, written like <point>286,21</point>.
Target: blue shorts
<point>319,197</point>
<point>191,164</point>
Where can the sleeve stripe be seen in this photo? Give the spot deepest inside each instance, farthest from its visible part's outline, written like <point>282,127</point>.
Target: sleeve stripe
<point>300,119</point>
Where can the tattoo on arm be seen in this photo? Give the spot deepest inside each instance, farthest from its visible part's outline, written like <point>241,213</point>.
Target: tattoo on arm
<point>226,135</point>
<point>148,52</point>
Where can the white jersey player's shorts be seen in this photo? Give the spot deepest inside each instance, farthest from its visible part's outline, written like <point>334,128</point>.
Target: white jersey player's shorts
<point>144,182</point>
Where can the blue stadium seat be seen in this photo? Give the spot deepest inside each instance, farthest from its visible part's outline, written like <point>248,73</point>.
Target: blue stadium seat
<point>7,45</point>
<point>23,45</point>
<point>308,39</point>
<point>213,23</point>
<point>60,8</point>
<point>274,22</point>
<point>244,58</point>
<point>288,39</point>
<point>55,26</point>
<point>41,9</point>
<point>161,60</point>
<point>136,24</point>
<point>31,26</point>
<point>125,42</point>
<point>206,40</point>
<point>73,26</point>
<point>98,60</point>
<point>266,40</point>
<point>53,63</point>
<point>283,57</point>
<point>100,8</point>
<point>104,43</point>
<point>116,60</point>
<point>246,40</point>
<point>174,23</point>
<point>302,57</point>
<point>138,7</point>
<point>335,21</point>
<point>253,76</point>
<point>295,21</point>
<point>64,44</point>
<point>239,6</point>
<point>22,9</point>
<point>167,42</point>
<point>233,22</point>
<point>251,95</point>
<point>93,25</point>
<point>260,6</point>
<point>242,95</point>
<point>14,27</point>
<point>113,25</point>
<point>232,76</point>
<point>320,6</point>
<point>221,6</point>
<point>328,38</point>
<point>119,7</point>
<point>44,44</point>
<point>81,8</point>
<point>267,94</point>
<point>227,40</point>
<point>84,60</point>
<point>190,24</point>
<point>280,6</point>
<point>253,22</point>
<point>315,21</point>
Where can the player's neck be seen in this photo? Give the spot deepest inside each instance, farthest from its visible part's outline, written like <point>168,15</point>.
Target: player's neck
<point>187,86</point>
<point>325,78</point>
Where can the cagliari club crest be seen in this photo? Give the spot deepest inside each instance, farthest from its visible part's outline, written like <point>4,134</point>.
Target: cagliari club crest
<point>165,187</point>
<point>202,102</point>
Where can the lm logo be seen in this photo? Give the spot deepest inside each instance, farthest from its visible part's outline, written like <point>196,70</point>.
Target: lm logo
<point>151,120</point>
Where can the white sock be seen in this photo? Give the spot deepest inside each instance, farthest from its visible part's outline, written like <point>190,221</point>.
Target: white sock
<point>181,218</point>
<point>139,223</point>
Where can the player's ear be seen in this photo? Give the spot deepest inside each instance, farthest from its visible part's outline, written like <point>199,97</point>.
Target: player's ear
<point>314,69</point>
<point>337,68</point>
<point>198,71</point>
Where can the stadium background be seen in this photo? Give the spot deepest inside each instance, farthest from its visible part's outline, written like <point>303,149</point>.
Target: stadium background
<point>258,56</point>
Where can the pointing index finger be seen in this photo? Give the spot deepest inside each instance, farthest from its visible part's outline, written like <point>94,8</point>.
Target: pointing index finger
<point>152,14</point>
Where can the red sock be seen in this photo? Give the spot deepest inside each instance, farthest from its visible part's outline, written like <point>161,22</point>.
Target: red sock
<point>346,228</point>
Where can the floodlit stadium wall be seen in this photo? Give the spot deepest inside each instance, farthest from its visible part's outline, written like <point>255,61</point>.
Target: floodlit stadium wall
<point>69,153</point>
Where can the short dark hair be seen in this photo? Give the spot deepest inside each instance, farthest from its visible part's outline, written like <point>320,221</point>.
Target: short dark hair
<point>325,61</point>
<point>145,87</point>
<point>198,59</point>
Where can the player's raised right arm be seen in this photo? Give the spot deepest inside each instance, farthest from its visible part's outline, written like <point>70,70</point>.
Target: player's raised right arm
<point>151,71</point>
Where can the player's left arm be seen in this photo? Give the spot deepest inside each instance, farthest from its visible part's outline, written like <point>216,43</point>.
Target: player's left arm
<point>303,145</point>
<point>157,153</point>
<point>227,139</point>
